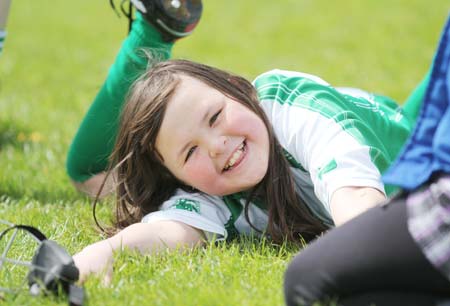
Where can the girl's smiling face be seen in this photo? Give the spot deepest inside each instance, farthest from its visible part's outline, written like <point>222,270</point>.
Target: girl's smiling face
<point>212,142</point>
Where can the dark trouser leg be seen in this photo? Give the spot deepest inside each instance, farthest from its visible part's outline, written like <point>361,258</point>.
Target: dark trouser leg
<point>371,258</point>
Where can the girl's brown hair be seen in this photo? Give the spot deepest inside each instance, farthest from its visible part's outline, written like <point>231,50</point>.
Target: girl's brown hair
<point>144,183</point>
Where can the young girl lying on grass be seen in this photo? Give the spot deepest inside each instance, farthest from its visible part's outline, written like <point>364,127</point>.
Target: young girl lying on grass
<point>202,153</point>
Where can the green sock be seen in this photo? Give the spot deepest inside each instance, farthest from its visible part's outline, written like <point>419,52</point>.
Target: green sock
<point>94,141</point>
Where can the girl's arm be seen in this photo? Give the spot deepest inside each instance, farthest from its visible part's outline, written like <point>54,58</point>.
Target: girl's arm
<point>348,202</point>
<point>147,238</point>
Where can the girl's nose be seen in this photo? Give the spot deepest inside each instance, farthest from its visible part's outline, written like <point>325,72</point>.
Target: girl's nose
<point>217,146</point>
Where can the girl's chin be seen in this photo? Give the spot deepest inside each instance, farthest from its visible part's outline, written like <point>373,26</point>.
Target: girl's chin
<point>248,183</point>
<point>227,192</point>
<point>244,189</point>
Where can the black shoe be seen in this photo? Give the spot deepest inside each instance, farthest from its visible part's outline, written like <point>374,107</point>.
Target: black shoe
<point>173,18</point>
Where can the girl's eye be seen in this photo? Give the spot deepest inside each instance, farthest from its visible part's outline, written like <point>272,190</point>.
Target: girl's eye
<point>190,152</point>
<point>214,118</point>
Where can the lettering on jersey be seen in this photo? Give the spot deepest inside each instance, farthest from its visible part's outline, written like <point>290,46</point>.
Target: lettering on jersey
<point>329,167</point>
<point>187,204</point>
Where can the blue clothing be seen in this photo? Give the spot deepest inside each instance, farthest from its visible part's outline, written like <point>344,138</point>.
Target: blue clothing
<point>428,149</point>
<point>427,152</point>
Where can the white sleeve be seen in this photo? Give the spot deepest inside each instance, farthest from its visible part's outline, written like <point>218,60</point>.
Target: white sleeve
<point>332,156</point>
<point>198,210</point>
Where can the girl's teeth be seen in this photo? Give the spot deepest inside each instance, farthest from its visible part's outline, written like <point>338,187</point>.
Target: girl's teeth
<point>235,157</point>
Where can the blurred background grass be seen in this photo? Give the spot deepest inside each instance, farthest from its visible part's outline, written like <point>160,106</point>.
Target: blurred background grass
<point>57,54</point>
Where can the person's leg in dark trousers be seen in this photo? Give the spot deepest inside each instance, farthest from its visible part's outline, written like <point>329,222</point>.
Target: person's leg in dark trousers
<point>370,259</point>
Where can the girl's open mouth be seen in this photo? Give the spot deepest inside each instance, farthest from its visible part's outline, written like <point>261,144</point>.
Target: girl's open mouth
<point>237,157</point>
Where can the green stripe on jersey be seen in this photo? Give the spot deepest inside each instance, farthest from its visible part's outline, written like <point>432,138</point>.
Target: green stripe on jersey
<point>292,161</point>
<point>329,167</point>
<point>234,205</point>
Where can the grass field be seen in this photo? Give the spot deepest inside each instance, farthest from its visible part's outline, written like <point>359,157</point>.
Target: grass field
<point>56,57</point>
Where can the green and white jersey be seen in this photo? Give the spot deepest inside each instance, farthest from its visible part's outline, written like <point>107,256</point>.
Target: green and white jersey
<point>337,137</point>
<point>332,137</point>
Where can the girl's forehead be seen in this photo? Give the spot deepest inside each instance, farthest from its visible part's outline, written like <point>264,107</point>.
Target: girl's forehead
<point>190,93</point>
<point>188,80</point>
<point>187,106</point>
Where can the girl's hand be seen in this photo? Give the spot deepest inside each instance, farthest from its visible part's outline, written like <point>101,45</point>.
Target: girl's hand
<point>96,258</point>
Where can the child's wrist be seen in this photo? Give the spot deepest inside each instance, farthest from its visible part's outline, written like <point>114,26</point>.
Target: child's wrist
<point>102,247</point>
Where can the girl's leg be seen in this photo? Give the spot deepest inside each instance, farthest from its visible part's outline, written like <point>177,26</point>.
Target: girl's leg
<point>371,258</point>
<point>93,143</point>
